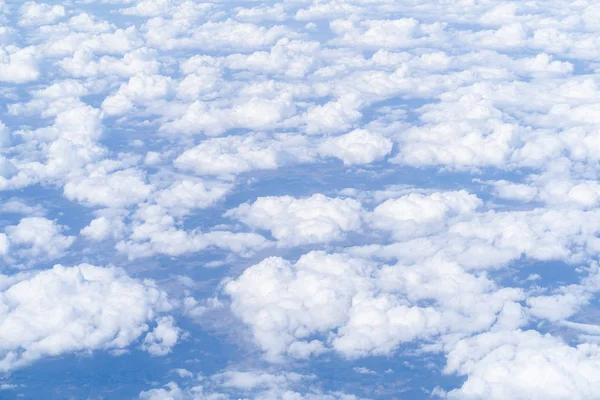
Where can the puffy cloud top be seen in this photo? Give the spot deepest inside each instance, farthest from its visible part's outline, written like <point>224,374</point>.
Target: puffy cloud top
<point>293,222</point>
<point>72,309</point>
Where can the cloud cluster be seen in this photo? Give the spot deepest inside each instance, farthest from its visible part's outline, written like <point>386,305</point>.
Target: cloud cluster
<point>231,384</point>
<point>524,365</point>
<point>78,309</point>
<point>468,132</point>
<point>333,301</point>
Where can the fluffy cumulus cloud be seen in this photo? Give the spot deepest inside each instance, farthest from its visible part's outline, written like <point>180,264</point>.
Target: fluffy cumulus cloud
<point>164,336</point>
<point>116,189</point>
<point>358,308</point>
<point>357,147</point>
<point>413,213</point>
<point>234,154</point>
<point>77,309</point>
<point>317,184</point>
<point>103,227</point>
<point>32,240</point>
<point>33,13</point>
<point>293,222</point>
<point>524,365</point>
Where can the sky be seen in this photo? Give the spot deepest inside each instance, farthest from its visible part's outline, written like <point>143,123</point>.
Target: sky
<point>299,199</point>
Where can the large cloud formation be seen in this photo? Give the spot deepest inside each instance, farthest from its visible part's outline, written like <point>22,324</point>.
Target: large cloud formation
<point>75,309</point>
<point>369,175</point>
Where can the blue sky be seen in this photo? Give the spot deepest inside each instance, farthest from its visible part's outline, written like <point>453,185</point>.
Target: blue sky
<point>299,199</point>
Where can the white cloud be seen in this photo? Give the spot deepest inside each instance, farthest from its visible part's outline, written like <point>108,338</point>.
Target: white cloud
<point>176,34</point>
<point>357,147</point>
<point>104,227</point>
<point>294,302</point>
<point>33,13</point>
<point>81,308</point>
<point>165,335</point>
<point>481,139</point>
<point>85,64</point>
<point>250,113</point>
<point>154,8</point>
<point>336,302</point>
<point>492,239</point>
<point>18,65</point>
<point>261,385</point>
<point>514,191</point>
<point>275,12</point>
<point>335,116</point>
<point>34,239</point>
<point>364,371</point>
<point>524,365</point>
<point>109,189</point>
<point>154,231</point>
<point>53,99</point>
<point>568,301</point>
<point>142,90</point>
<point>17,206</point>
<point>290,58</point>
<point>171,392</point>
<point>186,195</point>
<point>293,222</point>
<point>54,152</point>
<point>237,154</point>
<point>419,214</point>
<point>400,33</point>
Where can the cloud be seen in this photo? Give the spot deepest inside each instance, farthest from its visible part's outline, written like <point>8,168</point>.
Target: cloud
<point>109,189</point>
<point>18,65</point>
<point>492,239</point>
<point>566,302</point>
<point>75,309</point>
<point>358,308</point>
<point>357,147</point>
<point>85,64</point>
<point>453,142</point>
<point>399,33</point>
<point>18,206</point>
<point>141,89</point>
<point>416,214</point>
<point>52,153</point>
<point>524,365</point>
<point>364,371</point>
<point>229,34</point>
<point>165,335</point>
<point>34,239</point>
<point>153,231</point>
<point>292,58</point>
<point>188,194</point>
<point>33,13</point>
<point>275,12</point>
<point>155,8</point>
<point>336,116</point>
<point>255,112</point>
<point>293,222</point>
<point>103,227</point>
<point>481,139</point>
<point>232,384</point>
<point>237,154</point>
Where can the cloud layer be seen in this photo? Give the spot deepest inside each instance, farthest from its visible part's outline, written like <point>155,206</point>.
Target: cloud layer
<point>316,183</point>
